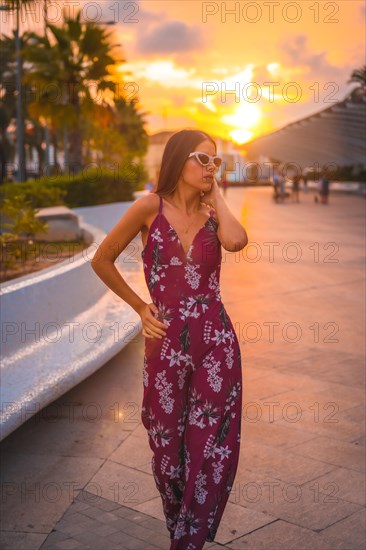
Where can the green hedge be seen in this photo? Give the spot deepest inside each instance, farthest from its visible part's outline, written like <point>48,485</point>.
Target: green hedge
<point>89,187</point>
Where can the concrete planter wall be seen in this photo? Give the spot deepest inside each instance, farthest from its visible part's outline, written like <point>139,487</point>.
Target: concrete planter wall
<point>61,324</point>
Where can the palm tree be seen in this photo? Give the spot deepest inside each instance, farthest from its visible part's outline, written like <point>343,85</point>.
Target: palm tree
<point>16,6</point>
<point>107,144</point>
<point>34,136</point>
<point>65,69</point>
<point>358,76</point>
<point>7,101</point>
<point>130,123</point>
<point>116,132</point>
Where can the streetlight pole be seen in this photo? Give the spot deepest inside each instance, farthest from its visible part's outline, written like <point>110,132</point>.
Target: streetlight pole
<point>19,93</point>
<point>19,103</point>
<point>46,128</point>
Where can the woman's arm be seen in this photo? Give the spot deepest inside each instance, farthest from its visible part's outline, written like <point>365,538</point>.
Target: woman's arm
<point>230,232</point>
<point>109,250</point>
<point>115,242</point>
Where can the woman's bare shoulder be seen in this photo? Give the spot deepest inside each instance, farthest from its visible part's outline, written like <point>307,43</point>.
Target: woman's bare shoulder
<point>148,203</point>
<point>148,206</point>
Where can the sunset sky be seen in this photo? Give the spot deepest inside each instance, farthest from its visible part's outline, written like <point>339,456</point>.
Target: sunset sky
<point>177,50</point>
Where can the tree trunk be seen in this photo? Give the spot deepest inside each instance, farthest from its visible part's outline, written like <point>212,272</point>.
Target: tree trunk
<point>75,134</point>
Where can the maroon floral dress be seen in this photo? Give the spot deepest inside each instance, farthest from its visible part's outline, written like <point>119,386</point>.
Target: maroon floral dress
<point>192,382</point>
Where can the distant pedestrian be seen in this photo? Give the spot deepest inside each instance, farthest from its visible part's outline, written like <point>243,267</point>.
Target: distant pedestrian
<point>149,186</point>
<point>324,189</point>
<point>276,185</point>
<point>295,187</point>
<point>282,190</point>
<point>224,185</point>
<point>305,183</point>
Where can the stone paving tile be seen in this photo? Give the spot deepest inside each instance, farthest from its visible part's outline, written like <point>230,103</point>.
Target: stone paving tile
<point>102,525</point>
<point>119,538</point>
<point>69,544</point>
<point>104,530</point>
<point>71,529</point>
<point>146,467</point>
<point>238,520</point>
<point>91,512</point>
<point>340,393</point>
<point>159,541</point>
<point>105,524</point>
<point>280,435</point>
<point>79,506</point>
<point>349,532</point>
<point>151,546</point>
<point>307,512</point>
<point>286,361</point>
<point>14,540</point>
<point>295,405</point>
<point>130,513</point>
<point>288,501</point>
<point>139,531</point>
<point>74,517</point>
<point>85,438</point>
<point>130,486</point>
<point>54,538</point>
<point>96,501</point>
<point>360,441</point>
<point>153,508</point>
<point>265,388</point>
<point>33,475</point>
<point>155,525</point>
<point>213,546</point>
<point>298,380</point>
<point>334,426</point>
<point>254,372</point>
<point>332,451</point>
<point>355,414</point>
<point>341,483</point>
<point>281,463</point>
<point>129,543</point>
<point>349,371</point>
<point>134,452</point>
<point>90,538</point>
<point>107,517</point>
<point>280,535</point>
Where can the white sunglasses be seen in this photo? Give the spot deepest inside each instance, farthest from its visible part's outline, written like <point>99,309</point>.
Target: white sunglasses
<point>204,159</point>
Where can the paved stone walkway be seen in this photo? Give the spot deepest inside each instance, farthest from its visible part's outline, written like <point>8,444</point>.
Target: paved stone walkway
<point>78,474</point>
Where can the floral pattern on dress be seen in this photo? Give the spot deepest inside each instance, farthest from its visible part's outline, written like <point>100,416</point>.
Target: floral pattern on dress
<point>192,383</point>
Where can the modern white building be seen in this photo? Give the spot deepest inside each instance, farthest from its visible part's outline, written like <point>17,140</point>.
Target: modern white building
<point>333,136</point>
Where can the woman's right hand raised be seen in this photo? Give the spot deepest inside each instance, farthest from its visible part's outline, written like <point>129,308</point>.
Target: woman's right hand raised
<point>151,327</point>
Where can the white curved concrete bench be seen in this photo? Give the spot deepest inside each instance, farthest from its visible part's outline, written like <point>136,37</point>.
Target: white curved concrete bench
<point>78,323</point>
<point>351,187</point>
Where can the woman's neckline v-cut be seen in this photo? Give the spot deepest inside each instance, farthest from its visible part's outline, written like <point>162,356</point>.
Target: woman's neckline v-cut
<point>185,252</point>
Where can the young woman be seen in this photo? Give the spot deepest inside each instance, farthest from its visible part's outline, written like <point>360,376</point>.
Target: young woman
<point>192,373</point>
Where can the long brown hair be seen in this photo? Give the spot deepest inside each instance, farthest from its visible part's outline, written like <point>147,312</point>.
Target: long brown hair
<point>175,155</point>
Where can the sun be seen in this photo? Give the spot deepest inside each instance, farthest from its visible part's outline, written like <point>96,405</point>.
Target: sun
<point>243,120</point>
<point>241,136</point>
